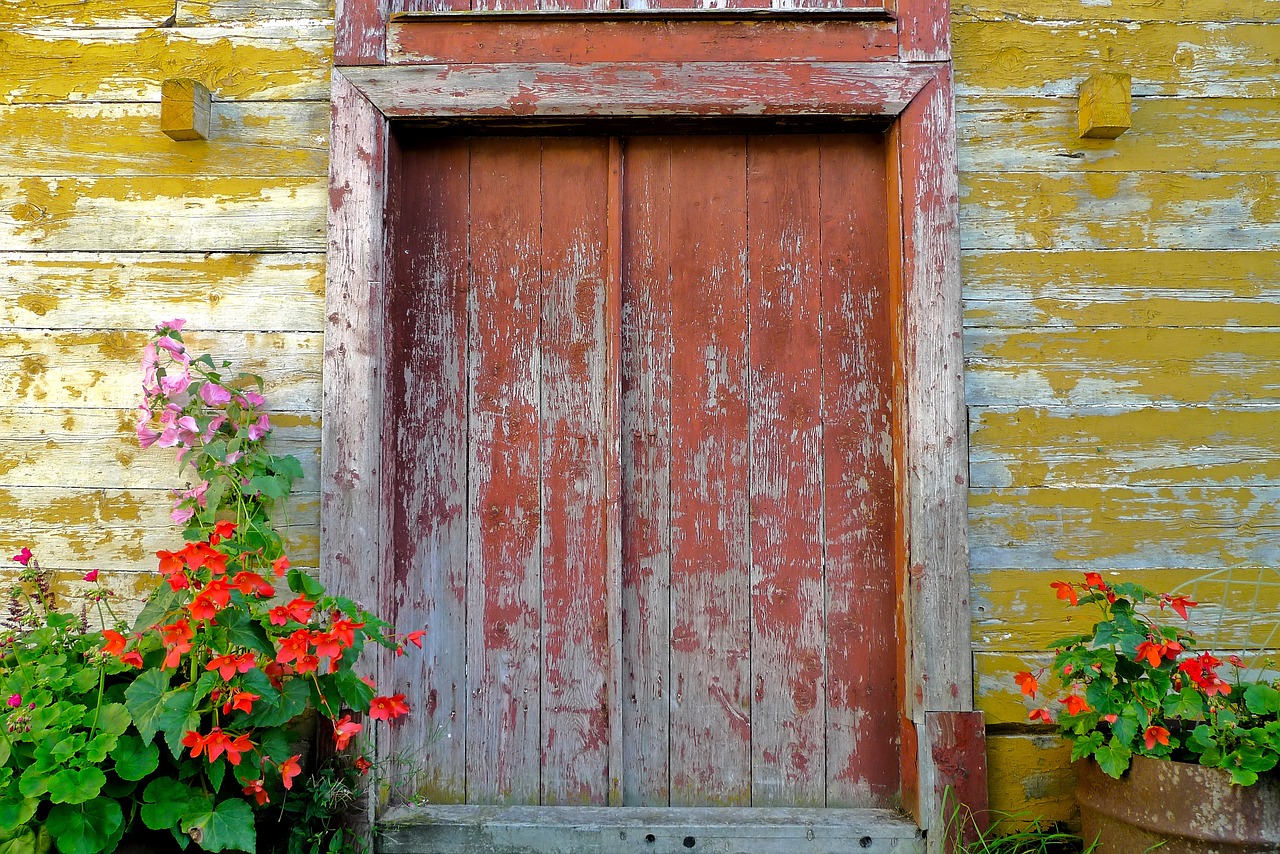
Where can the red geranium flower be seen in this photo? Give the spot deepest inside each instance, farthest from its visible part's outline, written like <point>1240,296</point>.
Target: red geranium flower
<point>386,708</point>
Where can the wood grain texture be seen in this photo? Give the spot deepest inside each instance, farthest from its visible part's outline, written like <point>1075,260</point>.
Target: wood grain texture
<point>1031,775</point>
<point>1122,288</point>
<point>710,557</point>
<point>784,231</point>
<point>924,28</point>
<point>575,449</point>
<point>858,479</point>
<point>285,139</point>
<point>646,465</point>
<point>426,479</point>
<point>1104,210</point>
<point>360,32</point>
<point>648,89</point>
<point>1193,135</point>
<point>42,446</point>
<point>115,290</point>
<point>204,12</point>
<point>1127,366</point>
<point>504,641</point>
<point>1173,11</point>
<point>1124,446</point>
<point>490,41</point>
<point>54,64</point>
<point>85,13</point>
<point>77,368</point>
<point>1051,58</point>
<point>163,213</point>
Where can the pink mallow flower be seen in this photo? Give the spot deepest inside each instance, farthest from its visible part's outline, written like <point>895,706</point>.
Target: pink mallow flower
<point>174,325</point>
<point>259,428</point>
<point>214,394</point>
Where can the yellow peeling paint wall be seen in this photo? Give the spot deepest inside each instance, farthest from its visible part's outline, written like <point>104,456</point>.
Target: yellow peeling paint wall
<point>107,226</point>
<point>1122,324</point>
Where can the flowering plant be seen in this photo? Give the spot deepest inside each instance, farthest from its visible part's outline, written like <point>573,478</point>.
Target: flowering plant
<point>189,720</point>
<point>1134,685</point>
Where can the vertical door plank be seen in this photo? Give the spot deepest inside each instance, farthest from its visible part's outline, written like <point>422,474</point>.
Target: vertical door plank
<point>787,643</point>
<point>711,616</point>
<point>575,450</point>
<point>862,714</point>
<point>646,472</point>
<point>425,473</point>
<point>504,541</point>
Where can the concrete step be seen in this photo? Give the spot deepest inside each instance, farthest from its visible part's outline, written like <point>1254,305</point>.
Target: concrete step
<point>645,830</point>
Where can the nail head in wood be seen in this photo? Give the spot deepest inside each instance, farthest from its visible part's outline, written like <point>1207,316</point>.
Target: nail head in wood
<point>184,109</point>
<point>1105,104</point>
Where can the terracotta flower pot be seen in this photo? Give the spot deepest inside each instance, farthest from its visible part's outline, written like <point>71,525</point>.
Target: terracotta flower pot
<point>1183,808</point>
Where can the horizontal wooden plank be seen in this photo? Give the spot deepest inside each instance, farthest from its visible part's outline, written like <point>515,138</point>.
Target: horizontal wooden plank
<point>100,369</point>
<point>1106,11</point>
<point>236,62</point>
<point>1168,135</point>
<point>268,138</point>
<point>197,12</point>
<point>491,40</point>
<point>1012,57</point>
<point>98,447</point>
<point>1126,366</point>
<point>1083,288</point>
<point>1118,446</point>
<point>653,89</point>
<point>118,290</point>
<point>1092,528</point>
<point>1119,210</point>
<point>163,213</point>
<point>1016,610</point>
<point>77,530</point>
<point>84,13</point>
<point>1029,778</point>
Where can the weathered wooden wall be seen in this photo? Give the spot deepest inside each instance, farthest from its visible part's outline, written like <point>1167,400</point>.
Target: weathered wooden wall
<point>1122,321</point>
<point>107,226</point>
<point>1123,297</point>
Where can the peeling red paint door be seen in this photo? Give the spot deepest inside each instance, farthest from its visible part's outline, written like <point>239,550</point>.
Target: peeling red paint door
<point>641,469</point>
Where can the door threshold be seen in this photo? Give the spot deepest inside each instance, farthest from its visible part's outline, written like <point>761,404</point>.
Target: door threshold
<point>450,829</point>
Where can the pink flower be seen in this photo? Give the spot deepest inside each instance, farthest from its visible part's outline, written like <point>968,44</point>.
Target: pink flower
<point>91,575</point>
<point>174,325</point>
<point>174,348</point>
<point>259,428</point>
<point>253,398</point>
<point>15,700</point>
<point>150,384</point>
<point>171,384</point>
<point>217,422</point>
<point>182,513</point>
<point>214,395</point>
<point>23,557</point>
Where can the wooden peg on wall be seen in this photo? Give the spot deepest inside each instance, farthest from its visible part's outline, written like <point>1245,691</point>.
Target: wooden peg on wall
<point>184,109</point>
<point>1105,105</point>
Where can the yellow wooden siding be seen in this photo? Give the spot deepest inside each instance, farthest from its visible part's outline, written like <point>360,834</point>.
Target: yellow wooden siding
<point>107,226</point>
<point>1122,311</point>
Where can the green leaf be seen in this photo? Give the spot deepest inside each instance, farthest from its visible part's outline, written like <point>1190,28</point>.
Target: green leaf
<point>76,785</point>
<point>215,772</point>
<point>1086,746</point>
<point>1243,776</point>
<point>161,601</point>
<point>179,717</point>
<point>267,485</point>
<point>165,801</point>
<point>145,699</point>
<point>302,582</point>
<point>243,631</point>
<point>135,760</point>
<point>1113,758</point>
<point>85,828</point>
<point>1262,699</point>
<point>114,718</point>
<point>15,812</point>
<point>355,692</point>
<point>96,751</point>
<point>287,466</point>
<point>84,681</point>
<point>1187,704</point>
<point>228,826</point>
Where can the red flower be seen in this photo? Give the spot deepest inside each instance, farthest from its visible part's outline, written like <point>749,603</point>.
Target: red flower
<point>362,764</point>
<point>344,630</point>
<point>24,556</point>
<point>115,642</point>
<point>132,658</point>
<point>209,601</point>
<point>290,769</point>
<point>91,575</point>
<point>259,793</point>
<point>300,609</point>
<point>280,565</point>
<point>1179,604</point>
<point>216,743</point>
<point>221,531</point>
<point>1093,579</point>
<point>1027,683</point>
<point>328,646</point>
<point>1075,704</point>
<point>1040,715</point>
<point>415,638</point>
<point>228,665</point>
<point>1155,735</point>
<point>241,701</point>
<point>252,583</point>
<point>1152,652</point>
<point>386,708</point>
<point>307,664</point>
<point>343,729</point>
<point>1065,591</point>
<point>294,646</point>
<point>170,562</point>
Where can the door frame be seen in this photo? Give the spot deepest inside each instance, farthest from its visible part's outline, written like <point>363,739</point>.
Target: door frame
<point>884,64</point>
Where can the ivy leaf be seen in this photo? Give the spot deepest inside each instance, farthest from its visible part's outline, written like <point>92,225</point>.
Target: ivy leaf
<point>76,785</point>
<point>1113,758</point>
<point>145,699</point>
<point>135,760</point>
<point>165,801</point>
<point>87,828</point>
<point>229,825</point>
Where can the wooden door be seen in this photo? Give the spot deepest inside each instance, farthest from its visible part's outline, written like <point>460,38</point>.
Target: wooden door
<point>638,467</point>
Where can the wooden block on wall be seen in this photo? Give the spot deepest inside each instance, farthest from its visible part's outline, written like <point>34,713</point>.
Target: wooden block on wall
<point>1105,105</point>
<point>185,107</point>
